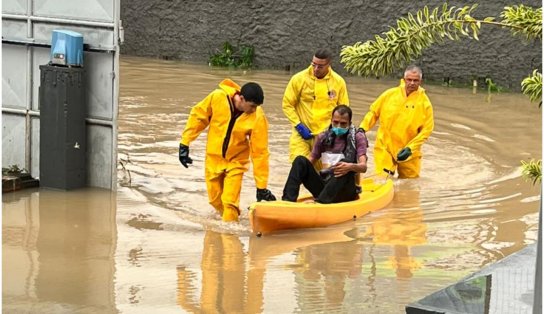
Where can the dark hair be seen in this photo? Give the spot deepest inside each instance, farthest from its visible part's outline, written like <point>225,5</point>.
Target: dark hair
<point>253,92</point>
<point>342,110</point>
<point>323,54</point>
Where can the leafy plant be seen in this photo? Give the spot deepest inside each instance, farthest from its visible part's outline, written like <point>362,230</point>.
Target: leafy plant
<point>491,88</point>
<point>532,87</point>
<point>231,56</point>
<point>524,20</point>
<point>13,169</point>
<point>532,170</point>
<point>413,34</point>
<point>247,53</point>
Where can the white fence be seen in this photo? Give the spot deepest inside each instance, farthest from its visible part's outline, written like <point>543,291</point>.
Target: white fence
<point>26,37</point>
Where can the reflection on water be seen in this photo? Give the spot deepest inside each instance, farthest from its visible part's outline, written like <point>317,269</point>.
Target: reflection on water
<point>400,227</point>
<point>322,275</point>
<point>57,251</point>
<point>157,246</point>
<point>227,287</point>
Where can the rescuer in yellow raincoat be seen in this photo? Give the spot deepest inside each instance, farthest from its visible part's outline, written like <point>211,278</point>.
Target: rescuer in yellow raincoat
<point>309,99</point>
<point>406,121</point>
<point>237,130</point>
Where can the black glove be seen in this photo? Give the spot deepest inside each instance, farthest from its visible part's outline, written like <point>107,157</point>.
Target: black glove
<point>404,154</point>
<point>265,195</point>
<point>184,155</point>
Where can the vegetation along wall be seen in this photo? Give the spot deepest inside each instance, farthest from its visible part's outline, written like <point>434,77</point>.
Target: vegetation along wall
<point>285,34</point>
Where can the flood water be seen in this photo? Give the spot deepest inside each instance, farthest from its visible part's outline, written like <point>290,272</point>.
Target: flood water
<point>156,245</point>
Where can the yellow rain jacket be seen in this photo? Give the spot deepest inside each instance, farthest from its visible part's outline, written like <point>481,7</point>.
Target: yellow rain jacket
<point>232,140</point>
<point>404,122</point>
<point>311,101</point>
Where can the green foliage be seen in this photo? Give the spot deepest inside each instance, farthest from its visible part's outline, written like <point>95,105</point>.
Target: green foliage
<point>523,20</point>
<point>414,33</point>
<point>223,57</point>
<point>13,170</point>
<point>247,53</point>
<point>492,86</point>
<point>532,170</point>
<point>532,86</point>
<point>232,56</point>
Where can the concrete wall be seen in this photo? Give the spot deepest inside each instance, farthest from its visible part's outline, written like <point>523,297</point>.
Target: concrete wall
<point>286,33</point>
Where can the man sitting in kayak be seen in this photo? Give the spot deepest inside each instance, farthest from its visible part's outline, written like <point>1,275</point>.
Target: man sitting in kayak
<point>343,148</point>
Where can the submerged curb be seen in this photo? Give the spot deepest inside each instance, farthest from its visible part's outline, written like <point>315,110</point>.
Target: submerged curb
<point>16,182</point>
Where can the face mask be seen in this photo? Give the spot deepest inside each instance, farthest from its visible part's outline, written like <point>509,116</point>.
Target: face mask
<point>339,131</point>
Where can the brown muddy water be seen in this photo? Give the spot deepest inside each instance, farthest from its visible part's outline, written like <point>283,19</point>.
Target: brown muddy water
<point>156,246</point>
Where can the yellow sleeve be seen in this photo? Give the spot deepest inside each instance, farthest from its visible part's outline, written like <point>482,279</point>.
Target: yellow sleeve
<point>343,98</point>
<point>259,151</point>
<point>427,128</point>
<point>373,114</point>
<point>291,98</point>
<point>198,120</point>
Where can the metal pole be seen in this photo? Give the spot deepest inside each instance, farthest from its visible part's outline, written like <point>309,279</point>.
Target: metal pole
<point>58,20</point>
<point>117,37</point>
<point>29,59</point>
<point>537,296</point>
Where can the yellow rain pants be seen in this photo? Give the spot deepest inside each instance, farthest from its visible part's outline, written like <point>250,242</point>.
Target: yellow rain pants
<point>311,101</point>
<point>404,122</point>
<point>231,142</point>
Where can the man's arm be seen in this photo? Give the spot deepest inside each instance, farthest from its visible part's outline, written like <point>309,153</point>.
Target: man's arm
<point>361,143</point>
<point>198,120</point>
<point>373,114</point>
<point>259,150</point>
<point>343,98</point>
<point>317,149</point>
<point>342,168</point>
<point>426,129</point>
<point>291,98</point>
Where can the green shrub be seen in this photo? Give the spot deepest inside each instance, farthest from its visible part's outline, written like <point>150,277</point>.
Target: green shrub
<point>231,56</point>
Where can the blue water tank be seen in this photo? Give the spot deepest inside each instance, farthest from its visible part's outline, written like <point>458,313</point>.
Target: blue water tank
<point>67,48</point>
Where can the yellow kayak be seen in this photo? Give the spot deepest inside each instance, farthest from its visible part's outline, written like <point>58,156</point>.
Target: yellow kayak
<point>266,217</point>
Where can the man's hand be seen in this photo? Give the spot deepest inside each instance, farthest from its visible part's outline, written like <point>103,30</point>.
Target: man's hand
<point>341,168</point>
<point>184,155</point>
<point>404,154</point>
<point>304,131</point>
<point>265,195</point>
